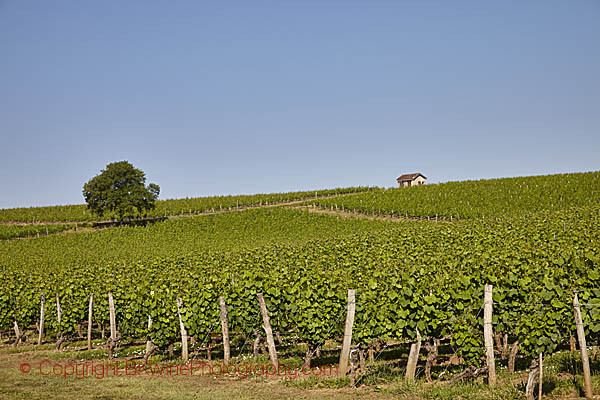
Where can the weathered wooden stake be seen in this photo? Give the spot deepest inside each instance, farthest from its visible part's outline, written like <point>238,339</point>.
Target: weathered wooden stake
<point>184,341</point>
<point>225,330</point>
<point>488,335</point>
<point>150,347</point>
<point>148,341</point>
<point>268,330</point>
<point>343,367</point>
<point>60,338</point>
<point>413,357</point>
<point>58,312</point>
<point>587,376</point>
<point>17,333</point>
<point>540,361</point>
<point>90,319</point>
<point>42,317</point>
<point>113,318</point>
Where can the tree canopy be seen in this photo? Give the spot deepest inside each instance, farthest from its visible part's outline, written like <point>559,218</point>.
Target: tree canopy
<point>120,189</point>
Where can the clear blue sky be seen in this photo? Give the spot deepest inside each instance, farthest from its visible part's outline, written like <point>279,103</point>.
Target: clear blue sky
<point>268,96</point>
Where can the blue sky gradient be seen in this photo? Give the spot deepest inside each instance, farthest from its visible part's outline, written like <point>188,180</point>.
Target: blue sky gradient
<point>268,96</point>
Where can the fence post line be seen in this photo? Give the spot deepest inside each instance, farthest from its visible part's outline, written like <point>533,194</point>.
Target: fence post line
<point>587,378</point>
<point>268,330</point>
<point>225,330</point>
<point>488,334</point>
<point>343,367</point>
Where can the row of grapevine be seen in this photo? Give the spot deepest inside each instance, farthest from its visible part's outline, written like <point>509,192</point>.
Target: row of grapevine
<point>12,231</point>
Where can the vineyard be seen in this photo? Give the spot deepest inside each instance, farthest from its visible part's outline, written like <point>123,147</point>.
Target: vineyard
<point>536,240</point>
<point>477,199</point>
<point>11,231</point>
<point>198,205</point>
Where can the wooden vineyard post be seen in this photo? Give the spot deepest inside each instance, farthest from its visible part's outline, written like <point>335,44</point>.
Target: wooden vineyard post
<point>150,347</point>
<point>17,333</point>
<point>541,361</point>
<point>114,334</point>
<point>343,367</point>
<point>268,330</point>
<point>113,319</point>
<point>488,334</point>
<point>58,312</point>
<point>225,329</point>
<point>60,338</point>
<point>413,357</point>
<point>184,341</point>
<point>90,315</point>
<point>42,316</point>
<point>149,342</point>
<point>587,378</point>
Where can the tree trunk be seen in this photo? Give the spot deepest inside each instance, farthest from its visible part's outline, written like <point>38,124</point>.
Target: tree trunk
<point>308,356</point>
<point>505,346</point>
<point>377,345</point>
<point>468,374</point>
<point>512,357</point>
<point>432,352</point>
<point>363,360</point>
<point>532,379</point>
<point>498,338</point>
<point>257,341</point>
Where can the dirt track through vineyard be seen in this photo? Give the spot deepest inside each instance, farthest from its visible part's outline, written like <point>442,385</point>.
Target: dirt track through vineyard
<point>376,217</point>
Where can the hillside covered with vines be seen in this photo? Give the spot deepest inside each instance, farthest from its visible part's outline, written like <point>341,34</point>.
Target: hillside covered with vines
<point>537,240</point>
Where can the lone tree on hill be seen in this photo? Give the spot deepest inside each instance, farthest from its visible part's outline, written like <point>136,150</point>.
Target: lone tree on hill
<point>120,189</point>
